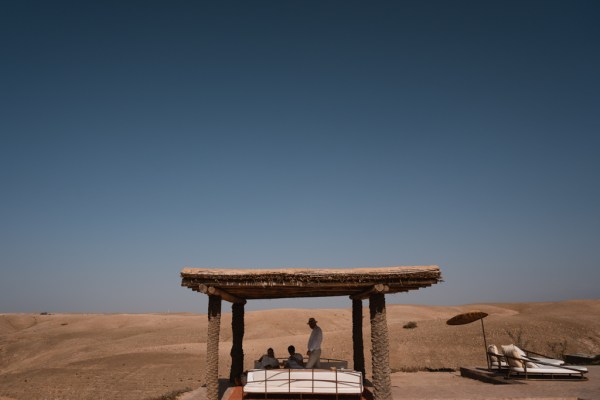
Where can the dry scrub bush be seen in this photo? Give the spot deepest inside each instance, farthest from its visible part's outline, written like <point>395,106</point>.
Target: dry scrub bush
<point>410,325</point>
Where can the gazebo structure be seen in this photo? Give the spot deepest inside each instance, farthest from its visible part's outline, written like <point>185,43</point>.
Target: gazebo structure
<point>238,286</point>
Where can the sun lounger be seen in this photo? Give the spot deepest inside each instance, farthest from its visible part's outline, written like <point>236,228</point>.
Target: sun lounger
<point>548,371</point>
<point>542,358</point>
<point>520,365</point>
<point>495,359</point>
<point>537,357</point>
<point>304,381</point>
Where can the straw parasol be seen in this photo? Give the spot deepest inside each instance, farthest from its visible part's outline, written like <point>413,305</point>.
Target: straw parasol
<point>467,318</point>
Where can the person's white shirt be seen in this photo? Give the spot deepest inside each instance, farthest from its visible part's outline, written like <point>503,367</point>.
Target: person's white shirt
<point>315,339</point>
<point>268,362</point>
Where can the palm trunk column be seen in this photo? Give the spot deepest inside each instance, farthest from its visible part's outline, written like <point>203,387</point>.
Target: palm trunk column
<point>382,385</point>
<point>212,348</point>
<point>237,350</point>
<point>357,337</point>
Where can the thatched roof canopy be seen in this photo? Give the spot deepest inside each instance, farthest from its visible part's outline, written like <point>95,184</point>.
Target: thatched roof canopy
<point>299,282</point>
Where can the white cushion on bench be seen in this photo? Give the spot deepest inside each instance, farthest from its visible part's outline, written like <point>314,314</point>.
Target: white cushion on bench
<point>547,370</point>
<point>318,381</point>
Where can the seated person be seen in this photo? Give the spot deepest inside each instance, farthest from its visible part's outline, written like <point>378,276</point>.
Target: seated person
<point>268,361</point>
<point>295,360</point>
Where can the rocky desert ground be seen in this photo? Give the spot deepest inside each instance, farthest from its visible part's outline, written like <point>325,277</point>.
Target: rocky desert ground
<point>146,356</point>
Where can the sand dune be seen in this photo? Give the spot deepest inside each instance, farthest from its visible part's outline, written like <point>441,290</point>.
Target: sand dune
<point>142,356</point>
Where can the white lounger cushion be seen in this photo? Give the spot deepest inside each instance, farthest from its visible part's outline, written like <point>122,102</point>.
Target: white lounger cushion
<point>511,348</point>
<point>304,381</point>
<point>552,361</point>
<point>548,370</point>
<point>514,356</point>
<point>494,350</point>
<point>502,364</point>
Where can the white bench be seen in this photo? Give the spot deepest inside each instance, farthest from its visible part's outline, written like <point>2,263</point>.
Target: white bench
<point>304,381</point>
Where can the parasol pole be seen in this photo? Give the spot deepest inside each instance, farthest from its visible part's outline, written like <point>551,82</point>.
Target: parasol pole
<point>487,357</point>
<point>467,318</point>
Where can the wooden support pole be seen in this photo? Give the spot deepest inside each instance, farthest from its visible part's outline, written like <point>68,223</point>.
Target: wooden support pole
<point>357,337</point>
<point>237,350</point>
<point>379,288</point>
<point>213,291</point>
<point>380,352</point>
<point>212,348</point>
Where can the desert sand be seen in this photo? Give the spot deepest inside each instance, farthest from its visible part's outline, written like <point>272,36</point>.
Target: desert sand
<point>146,356</point>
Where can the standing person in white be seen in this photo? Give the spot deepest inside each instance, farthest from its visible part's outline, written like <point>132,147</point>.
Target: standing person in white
<point>314,344</point>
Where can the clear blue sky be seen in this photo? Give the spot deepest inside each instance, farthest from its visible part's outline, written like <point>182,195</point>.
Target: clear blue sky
<point>141,137</point>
